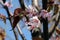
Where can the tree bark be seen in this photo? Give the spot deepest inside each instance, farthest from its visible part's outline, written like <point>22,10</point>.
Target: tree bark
<point>45,21</point>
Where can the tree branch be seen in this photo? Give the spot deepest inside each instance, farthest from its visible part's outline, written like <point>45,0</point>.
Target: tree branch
<point>56,23</point>
<point>36,4</point>
<point>22,4</point>
<point>6,8</point>
<point>20,32</point>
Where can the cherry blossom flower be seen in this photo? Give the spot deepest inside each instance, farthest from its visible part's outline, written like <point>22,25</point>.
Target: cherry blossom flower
<point>31,11</point>
<point>8,4</point>
<point>33,23</point>
<point>45,14</point>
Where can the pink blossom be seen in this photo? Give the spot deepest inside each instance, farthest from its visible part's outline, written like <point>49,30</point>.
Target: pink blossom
<point>45,14</point>
<point>34,22</point>
<point>31,10</point>
<point>8,4</point>
<point>58,38</point>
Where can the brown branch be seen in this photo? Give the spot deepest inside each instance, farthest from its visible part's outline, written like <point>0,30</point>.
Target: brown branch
<point>55,25</point>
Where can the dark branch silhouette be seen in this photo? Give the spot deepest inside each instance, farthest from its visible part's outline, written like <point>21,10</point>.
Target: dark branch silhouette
<point>6,8</point>
<point>22,4</point>
<point>56,24</point>
<point>4,1</point>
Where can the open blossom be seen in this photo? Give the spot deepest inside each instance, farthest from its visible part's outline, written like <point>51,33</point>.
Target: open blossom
<point>31,11</point>
<point>45,14</point>
<point>33,23</point>
<point>8,4</point>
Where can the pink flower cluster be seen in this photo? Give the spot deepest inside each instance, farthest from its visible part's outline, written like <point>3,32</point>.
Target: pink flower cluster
<point>45,14</point>
<point>34,23</point>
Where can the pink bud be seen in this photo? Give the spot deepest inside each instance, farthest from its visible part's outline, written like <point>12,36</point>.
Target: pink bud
<point>8,4</point>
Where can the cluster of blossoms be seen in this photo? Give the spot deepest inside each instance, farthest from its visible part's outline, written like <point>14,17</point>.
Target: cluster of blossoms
<point>34,22</point>
<point>33,18</point>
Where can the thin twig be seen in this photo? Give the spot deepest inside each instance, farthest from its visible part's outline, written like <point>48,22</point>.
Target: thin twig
<point>55,25</point>
<point>20,32</point>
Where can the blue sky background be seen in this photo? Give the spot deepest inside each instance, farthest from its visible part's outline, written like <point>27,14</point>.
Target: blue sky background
<point>7,26</point>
